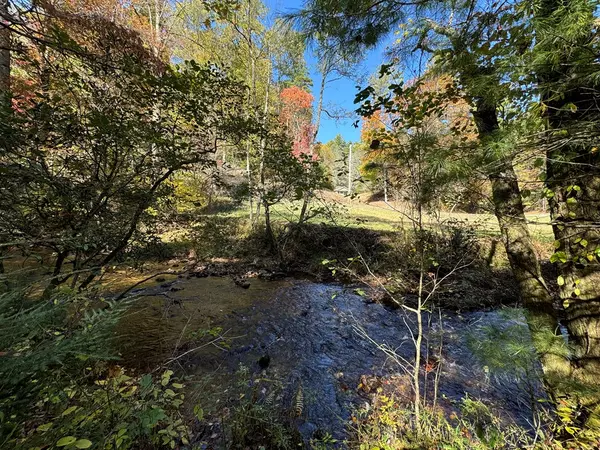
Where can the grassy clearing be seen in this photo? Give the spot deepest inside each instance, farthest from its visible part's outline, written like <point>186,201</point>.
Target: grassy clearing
<point>224,231</point>
<point>379,216</point>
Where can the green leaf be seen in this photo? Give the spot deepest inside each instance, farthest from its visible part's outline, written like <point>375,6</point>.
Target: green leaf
<point>67,440</point>
<point>577,292</point>
<point>68,411</point>
<point>560,280</point>
<point>583,243</point>
<point>83,443</point>
<point>45,427</point>
<point>557,244</point>
<point>166,377</point>
<point>146,381</point>
<point>198,412</point>
<point>152,416</point>
<point>558,256</point>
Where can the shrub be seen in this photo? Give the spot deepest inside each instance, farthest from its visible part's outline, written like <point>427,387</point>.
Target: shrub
<point>57,388</point>
<point>112,412</point>
<point>217,236</point>
<point>259,420</point>
<point>389,425</point>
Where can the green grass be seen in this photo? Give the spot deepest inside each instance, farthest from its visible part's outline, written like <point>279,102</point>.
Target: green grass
<point>380,217</point>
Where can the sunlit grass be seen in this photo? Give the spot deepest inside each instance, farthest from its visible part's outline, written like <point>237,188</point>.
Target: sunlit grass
<point>380,216</point>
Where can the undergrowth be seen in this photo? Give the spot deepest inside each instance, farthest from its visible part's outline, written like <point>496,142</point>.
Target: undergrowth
<point>59,387</point>
<point>259,418</point>
<point>388,425</point>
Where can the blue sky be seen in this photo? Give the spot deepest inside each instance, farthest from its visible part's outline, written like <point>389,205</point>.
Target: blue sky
<point>339,93</point>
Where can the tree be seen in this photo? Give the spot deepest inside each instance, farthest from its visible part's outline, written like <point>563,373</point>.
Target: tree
<point>451,124</point>
<point>287,48</point>
<point>566,71</point>
<point>296,117</point>
<point>84,162</point>
<point>287,175</point>
<point>478,55</point>
<point>379,163</point>
<point>334,155</point>
<point>475,46</point>
<point>5,47</point>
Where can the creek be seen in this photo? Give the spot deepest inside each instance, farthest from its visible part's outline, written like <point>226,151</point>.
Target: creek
<point>306,335</point>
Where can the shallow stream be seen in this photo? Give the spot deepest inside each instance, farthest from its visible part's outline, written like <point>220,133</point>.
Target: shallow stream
<point>311,336</point>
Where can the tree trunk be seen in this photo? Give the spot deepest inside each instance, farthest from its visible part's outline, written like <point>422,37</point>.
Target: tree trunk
<point>385,183</point>
<point>133,224</point>
<point>324,75</point>
<point>4,50</point>
<point>263,143</point>
<point>573,179</point>
<point>55,281</point>
<point>304,209</point>
<point>273,247</point>
<point>308,195</point>
<point>570,99</point>
<point>350,170</point>
<point>508,208</point>
<point>4,79</point>
<point>250,189</point>
<point>251,74</point>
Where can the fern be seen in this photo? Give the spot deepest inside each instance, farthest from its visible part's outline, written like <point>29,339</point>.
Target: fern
<point>37,335</point>
<point>299,401</point>
<point>270,400</point>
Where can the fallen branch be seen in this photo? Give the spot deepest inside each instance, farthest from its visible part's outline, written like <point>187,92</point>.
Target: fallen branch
<point>125,292</point>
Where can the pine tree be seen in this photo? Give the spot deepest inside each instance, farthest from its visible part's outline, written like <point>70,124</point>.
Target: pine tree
<point>566,67</point>
<point>477,46</point>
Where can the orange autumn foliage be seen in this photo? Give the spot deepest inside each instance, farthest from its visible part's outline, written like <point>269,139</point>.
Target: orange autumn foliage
<point>453,120</point>
<point>296,117</point>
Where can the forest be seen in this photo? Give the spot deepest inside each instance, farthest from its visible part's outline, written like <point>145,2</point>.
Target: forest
<point>318,224</point>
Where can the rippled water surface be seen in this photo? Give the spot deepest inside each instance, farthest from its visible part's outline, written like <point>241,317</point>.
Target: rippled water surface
<point>307,334</point>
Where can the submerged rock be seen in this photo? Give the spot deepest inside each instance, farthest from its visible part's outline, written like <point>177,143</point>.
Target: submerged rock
<point>241,282</point>
<point>264,361</point>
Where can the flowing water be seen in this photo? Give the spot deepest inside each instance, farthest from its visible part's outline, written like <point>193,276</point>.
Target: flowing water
<point>323,339</point>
